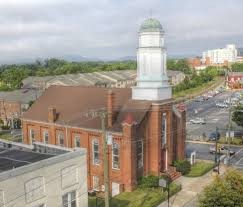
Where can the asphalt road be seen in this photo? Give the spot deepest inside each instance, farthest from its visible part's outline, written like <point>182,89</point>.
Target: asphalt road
<point>214,116</point>
<point>202,152</point>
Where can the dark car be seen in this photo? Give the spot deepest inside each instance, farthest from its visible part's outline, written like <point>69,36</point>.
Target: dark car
<point>213,136</point>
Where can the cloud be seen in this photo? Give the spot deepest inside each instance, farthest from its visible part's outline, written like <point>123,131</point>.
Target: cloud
<point>108,28</point>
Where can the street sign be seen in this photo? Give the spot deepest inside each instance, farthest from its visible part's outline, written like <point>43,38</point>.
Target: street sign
<point>162,183</point>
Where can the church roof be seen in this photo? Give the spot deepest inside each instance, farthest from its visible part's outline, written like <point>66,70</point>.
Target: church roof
<point>151,25</point>
<point>72,103</point>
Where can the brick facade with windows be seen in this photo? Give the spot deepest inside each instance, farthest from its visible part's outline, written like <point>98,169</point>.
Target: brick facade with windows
<point>235,80</point>
<point>136,128</point>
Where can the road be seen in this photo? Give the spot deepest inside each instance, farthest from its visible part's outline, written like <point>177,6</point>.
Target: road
<point>202,152</point>
<point>214,116</point>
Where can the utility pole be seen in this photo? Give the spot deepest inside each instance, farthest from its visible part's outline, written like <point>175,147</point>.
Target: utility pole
<point>216,146</point>
<point>105,158</point>
<point>229,132</point>
<point>102,114</point>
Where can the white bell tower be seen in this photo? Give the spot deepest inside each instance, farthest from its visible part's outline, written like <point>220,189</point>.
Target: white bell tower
<point>152,80</point>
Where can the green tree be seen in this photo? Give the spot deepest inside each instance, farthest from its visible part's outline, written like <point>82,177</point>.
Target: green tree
<point>225,191</point>
<point>237,67</point>
<point>238,115</point>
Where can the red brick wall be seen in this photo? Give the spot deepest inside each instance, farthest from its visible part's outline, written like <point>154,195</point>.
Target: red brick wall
<point>149,130</point>
<point>8,108</point>
<point>233,81</point>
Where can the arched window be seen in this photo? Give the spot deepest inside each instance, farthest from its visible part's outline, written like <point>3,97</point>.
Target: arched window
<point>163,130</point>
<point>115,156</point>
<point>32,135</point>
<point>77,140</point>
<point>46,137</point>
<point>140,154</point>
<point>60,138</point>
<point>95,150</point>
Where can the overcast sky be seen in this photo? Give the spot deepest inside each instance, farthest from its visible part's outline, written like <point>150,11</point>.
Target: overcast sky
<point>31,29</point>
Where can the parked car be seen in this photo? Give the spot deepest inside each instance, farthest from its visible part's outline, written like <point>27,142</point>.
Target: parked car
<point>213,136</point>
<point>200,99</point>
<point>198,121</point>
<point>221,150</point>
<point>222,105</point>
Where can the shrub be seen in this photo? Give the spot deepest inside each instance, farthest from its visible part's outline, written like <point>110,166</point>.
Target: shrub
<point>183,166</point>
<point>5,127</point>
<point>150,181</point>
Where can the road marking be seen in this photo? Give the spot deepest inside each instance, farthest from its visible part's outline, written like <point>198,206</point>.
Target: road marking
<point>238,151</point>
<point>237,163</point>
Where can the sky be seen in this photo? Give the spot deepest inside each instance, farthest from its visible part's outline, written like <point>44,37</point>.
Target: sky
<point>108,29</point>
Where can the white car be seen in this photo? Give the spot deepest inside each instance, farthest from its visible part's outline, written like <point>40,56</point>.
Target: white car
<point>198,121</point>
<point>221,150</point>
<point>222,105</point>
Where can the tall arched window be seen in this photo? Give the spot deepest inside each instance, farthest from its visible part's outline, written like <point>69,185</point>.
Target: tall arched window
<point>95,150</point>
<point>32,135</point>
<point>115,156</point>
<point>163,130</point>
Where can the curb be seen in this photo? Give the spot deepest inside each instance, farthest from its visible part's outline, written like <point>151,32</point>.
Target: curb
<point>212,143</point>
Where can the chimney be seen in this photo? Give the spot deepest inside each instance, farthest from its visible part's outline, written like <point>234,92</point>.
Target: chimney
<point>110,108</point>
<point>52,114</point>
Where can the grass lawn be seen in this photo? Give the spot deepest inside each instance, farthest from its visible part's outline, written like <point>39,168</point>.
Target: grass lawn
<point>6,136</point>
<point>149,197</point>
<point>236,141</point>
<point>10,137</point>
<point>200,168</point>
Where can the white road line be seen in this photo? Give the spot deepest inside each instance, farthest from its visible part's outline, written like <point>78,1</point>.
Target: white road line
<point>237,163</point>
<point>238,151</point>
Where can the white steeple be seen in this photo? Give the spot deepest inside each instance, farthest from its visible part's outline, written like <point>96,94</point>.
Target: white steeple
<point>152,80</point>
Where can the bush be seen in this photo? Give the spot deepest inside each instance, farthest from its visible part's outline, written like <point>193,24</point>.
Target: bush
<point>5,127</point>
<point>183,166</point>
<point>150,181</point>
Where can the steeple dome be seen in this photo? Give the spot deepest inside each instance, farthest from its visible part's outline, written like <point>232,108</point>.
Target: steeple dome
<point>151,25</point>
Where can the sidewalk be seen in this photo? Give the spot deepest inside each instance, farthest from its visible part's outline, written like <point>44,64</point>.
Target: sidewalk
<point>191,187</point>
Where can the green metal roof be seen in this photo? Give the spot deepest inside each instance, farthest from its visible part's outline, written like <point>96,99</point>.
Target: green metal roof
<point>151,25</point>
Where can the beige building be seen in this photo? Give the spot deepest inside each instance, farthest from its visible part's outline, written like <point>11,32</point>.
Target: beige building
<point>42,176</point>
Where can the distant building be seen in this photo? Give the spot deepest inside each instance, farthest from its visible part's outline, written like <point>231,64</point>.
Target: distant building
<point>107,79</point>
<point>14,103</point>
<point>235,80</point>
<point>240,51</point>
<point>146,128</point>
<point>194,62</point>
<point>221,56</point>
<point>42,175</point>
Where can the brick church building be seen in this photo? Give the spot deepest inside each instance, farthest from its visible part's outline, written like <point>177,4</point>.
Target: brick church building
<point>146,129</point>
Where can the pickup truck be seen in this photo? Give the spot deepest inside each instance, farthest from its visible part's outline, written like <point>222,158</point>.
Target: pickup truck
<point>221,150</point>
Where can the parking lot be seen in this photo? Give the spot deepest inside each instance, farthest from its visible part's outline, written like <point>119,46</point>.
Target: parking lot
<point>214,117</point>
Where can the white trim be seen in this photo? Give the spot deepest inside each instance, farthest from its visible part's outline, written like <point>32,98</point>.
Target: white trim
<point>44,136</point>
<point>112,156</point>
<point>95,179</point>
<point>141,141</point>
<point>69,198</point>
<point>166,160</point>
<point>77,137</point>
<point>32,132</point>
<point>69,126</point>
<point>95,162</point>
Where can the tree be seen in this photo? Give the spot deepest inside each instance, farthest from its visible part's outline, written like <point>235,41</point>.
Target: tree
<point>224,191</point>
<point>238,115</point>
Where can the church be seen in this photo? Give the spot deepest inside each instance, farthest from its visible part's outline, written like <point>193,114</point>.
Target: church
<point>146,128</point>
